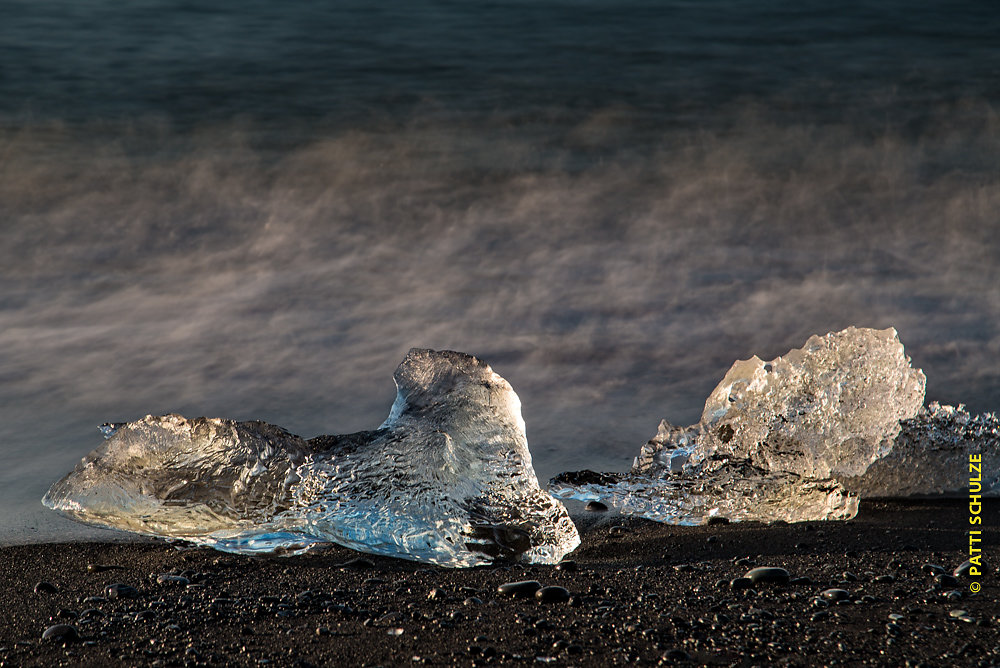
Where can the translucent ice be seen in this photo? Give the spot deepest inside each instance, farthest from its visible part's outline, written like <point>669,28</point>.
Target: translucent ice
<point>930,456</point>
<point>446,479</point>
<point>798,438</point>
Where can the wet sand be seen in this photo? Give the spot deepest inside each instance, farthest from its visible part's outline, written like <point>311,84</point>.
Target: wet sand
<point>640,593</point>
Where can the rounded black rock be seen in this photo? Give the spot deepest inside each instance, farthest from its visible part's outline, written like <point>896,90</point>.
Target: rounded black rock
<point>946,580</point>
<point>836,595</point>
<point>596,506</point>
<point>523,589</point>
<point>63,633</point>
<point>45,588</point>
<point>677,655</point>
<point>552,595</point>
<point>567,565</point>
<point>119,590</point>
<point>963,570</point>
<point>736,584</point>
<point>768,575</point>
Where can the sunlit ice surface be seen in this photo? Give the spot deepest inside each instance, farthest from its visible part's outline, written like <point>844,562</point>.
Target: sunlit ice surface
<point>801,438</point>
<point>446,479</point>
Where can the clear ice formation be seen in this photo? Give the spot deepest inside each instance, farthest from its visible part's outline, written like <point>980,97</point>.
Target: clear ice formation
<point>446,479</point>
<point>801,438</point>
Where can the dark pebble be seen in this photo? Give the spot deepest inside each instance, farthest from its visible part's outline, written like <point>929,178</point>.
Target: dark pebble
<point>569,566</point>
<point>820,616</point>
<point>596,506</point>
<point>766,574</point>
<point>736,584</point>
<point>473,600</point>
<point>45,588</point>
<point>119,590</point>
<point>522,589</point>
<point>883,579</point>
<point>932,569</point>
<point>806,581</point>
<point>63,633</point>
<point>100,568</point>
<point>849,576</point>
<point>713,521</point>
<point>677,655</point>
<point>66,613</point>
<point>358,564</point>
<point>946,580</point>
<point>389,619</point>
<point>552,595</point>
<point>836,594</point>
<point>619,531</point>
<point>963,570</point>
<point>178,580</point>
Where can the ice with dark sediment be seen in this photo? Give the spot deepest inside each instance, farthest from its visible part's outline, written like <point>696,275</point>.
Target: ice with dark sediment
<point>446,479</point>
<point>931,457</point>
<point>801,438</point>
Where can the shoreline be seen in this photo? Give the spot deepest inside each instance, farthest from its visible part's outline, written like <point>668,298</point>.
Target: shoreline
<point>641,592</point>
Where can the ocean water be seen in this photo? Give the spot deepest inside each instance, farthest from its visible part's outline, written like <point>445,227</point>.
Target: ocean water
<point>253,211</point>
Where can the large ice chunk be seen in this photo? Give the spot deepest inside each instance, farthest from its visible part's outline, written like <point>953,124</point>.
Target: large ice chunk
<point>931,456</point>
<point>796,438</point>
<point>446,479</point>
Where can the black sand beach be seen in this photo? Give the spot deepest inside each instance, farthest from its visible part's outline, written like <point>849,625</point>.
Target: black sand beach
<point>640,592</point>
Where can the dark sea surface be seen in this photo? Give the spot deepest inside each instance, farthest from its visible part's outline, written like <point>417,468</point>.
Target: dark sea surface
<point>253,210</point>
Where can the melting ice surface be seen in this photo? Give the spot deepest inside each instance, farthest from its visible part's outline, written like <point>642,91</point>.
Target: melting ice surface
<point>446,479</point>
<point>800,438</point>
